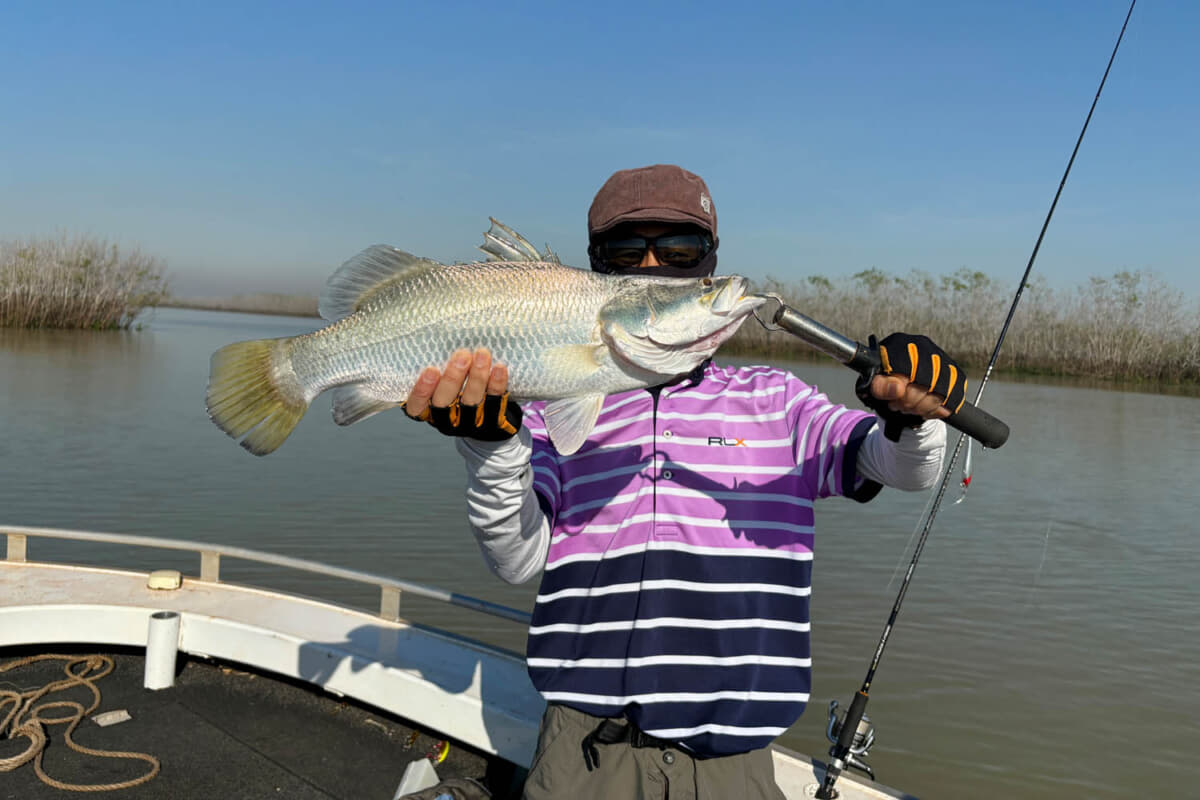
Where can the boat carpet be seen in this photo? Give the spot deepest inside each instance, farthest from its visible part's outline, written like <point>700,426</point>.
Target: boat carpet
<point>223,732</point>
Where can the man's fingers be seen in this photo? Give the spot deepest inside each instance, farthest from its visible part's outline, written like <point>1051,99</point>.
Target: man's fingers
<point>908,398</point>
<point>498,381</point>
<point>477,377</point>
<point>452,379</point>
<point>920,401</point>
<point>888,387</point>
<point>467,376</point>
<point>418,398</point>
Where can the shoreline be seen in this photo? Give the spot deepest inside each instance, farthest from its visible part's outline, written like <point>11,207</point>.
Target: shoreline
<point>230,309</point>
<point>283,305</point>
<point>798,351</point>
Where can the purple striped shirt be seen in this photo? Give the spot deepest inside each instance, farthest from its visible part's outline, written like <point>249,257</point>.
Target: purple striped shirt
<point>677,582</point>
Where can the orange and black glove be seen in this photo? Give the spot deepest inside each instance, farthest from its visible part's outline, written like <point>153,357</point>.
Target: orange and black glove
<point>497,418</point>
<point>922,362</point>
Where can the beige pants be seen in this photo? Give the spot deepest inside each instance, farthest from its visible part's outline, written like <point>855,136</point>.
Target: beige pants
<point>632,773</point>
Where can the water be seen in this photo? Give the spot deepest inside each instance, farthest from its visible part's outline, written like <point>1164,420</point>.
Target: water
<point>1045,648</point>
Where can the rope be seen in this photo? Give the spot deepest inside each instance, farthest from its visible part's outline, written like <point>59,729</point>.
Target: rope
<point>29,719</point>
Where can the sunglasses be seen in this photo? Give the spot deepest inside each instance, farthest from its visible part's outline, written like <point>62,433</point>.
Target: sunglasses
<point>672,249</point>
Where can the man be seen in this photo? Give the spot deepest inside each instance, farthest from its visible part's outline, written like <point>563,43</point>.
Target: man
<point>670,634</point>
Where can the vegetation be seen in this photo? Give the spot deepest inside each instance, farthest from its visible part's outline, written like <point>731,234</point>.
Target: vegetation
<point>1128,327</point>
<point>76,282</point>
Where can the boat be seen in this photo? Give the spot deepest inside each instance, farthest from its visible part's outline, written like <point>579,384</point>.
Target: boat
<point>225,689</point>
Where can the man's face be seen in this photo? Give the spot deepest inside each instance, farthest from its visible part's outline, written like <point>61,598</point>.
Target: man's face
<point>638,245</point>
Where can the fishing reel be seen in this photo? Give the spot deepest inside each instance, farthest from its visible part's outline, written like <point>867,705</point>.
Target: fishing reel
<point>864,737</point>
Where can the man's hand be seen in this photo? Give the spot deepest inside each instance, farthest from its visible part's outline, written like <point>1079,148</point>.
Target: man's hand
<point>905,397</point>
<point>467,398</point>
<point>916,381</point>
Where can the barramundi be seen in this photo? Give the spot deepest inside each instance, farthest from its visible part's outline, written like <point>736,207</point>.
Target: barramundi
<point>568,336</point>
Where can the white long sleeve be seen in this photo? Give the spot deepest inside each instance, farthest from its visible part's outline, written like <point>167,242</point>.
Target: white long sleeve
<point>912,464</point>
<point>502,508</point>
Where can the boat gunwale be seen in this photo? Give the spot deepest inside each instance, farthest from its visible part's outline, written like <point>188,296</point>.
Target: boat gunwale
<point>210,554</point>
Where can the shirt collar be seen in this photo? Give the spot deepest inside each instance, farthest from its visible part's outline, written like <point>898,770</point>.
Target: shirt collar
<point>691,379</point>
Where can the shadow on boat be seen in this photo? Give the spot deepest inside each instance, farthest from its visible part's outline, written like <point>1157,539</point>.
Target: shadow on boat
<point>465,690</point>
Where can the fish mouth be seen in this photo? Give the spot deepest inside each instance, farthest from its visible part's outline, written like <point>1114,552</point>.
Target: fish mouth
<point>734,299</point>
<point>735,304</point>
<point>712,341</point>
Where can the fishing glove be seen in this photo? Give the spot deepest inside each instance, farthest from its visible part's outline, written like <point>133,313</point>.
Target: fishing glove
<point>497,418</point>
<point>923,363</point>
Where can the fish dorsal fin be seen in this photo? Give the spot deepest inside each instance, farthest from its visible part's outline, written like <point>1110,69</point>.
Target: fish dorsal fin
<point>360,278</point>
<point>569,421</point>
<point>502,243</point>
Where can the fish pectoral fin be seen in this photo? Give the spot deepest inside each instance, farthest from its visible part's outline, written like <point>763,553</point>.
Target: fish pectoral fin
<point>360,278</point>
<point>569,421</point>
<point>574,359</point>
<point>356,402</point>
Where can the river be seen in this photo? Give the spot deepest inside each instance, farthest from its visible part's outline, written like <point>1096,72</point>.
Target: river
<point>1044,649</point>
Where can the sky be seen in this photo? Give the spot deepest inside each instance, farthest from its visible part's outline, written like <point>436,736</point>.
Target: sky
<point>254,147</point>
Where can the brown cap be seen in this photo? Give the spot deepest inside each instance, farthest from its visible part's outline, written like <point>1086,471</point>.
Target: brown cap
<point>660,193</point>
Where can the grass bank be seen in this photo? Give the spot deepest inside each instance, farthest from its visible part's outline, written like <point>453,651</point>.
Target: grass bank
<point>1130,327</point>
<point>76,282</point>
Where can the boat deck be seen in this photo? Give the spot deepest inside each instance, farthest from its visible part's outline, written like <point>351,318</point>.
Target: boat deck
<point>222,731</point>
<point>256,710</point>
<point>480,696</point>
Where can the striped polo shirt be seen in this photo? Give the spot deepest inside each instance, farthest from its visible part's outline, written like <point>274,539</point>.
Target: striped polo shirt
<point>676,587</point>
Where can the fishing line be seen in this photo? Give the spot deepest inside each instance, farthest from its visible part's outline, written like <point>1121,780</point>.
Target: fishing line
<point>849,738</point>
<point>1037,575</point>
<point>912,537</point>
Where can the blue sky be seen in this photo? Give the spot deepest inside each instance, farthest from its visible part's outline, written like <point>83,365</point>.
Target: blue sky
<point>256,146</point>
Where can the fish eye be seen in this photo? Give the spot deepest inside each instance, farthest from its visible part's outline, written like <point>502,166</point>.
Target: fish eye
<point>706,283</point>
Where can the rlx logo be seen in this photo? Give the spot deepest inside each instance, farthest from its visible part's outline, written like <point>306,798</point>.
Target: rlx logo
<point>720,441</point>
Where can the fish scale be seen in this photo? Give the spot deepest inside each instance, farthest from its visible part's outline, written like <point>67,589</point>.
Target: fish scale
<point>390,340</point>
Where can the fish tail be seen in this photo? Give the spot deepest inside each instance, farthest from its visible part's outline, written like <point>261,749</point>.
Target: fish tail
<point>253,392</point>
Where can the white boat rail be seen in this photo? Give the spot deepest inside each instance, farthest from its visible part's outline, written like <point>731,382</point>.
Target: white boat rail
<point>390,589</point>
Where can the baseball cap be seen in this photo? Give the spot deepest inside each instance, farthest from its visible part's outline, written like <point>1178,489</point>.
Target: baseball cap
<point>658,193</point>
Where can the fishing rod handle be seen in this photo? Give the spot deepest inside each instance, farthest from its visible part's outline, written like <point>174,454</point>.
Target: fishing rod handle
<point>981,426</point>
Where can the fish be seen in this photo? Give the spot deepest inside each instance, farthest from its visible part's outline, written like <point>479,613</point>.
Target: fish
<point>568,336</point>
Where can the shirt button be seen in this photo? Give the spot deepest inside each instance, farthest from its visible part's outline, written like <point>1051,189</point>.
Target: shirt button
<point>668,757</point>
<point>668,434</point>
<point>668,474</point>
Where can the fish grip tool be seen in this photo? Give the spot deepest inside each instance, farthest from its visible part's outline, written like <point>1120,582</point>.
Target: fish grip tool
<point>776,315</point>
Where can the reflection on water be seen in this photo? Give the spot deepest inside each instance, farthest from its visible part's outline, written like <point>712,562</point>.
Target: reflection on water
<point>58,343</point>
<point>1044,649</point>
<point>1136,387</point>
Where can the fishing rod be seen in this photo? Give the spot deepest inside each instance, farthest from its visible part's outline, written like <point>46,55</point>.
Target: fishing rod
<point>852,736</point>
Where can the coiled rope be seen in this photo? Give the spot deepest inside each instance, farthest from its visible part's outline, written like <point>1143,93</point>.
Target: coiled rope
<point>28,719</point>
